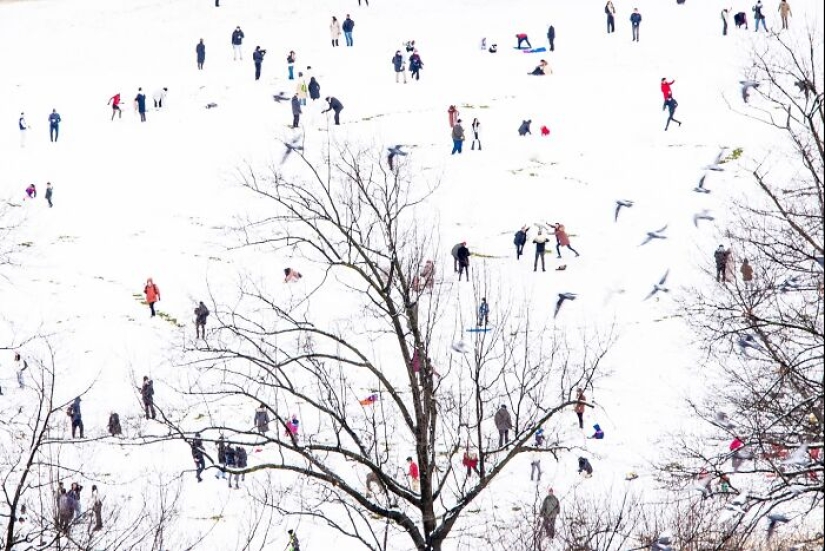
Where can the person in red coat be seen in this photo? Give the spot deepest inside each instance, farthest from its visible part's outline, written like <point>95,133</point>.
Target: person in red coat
<point>115,101</point>
<point>667,93</point>
<point>152,294</point>
<point>412,473</point>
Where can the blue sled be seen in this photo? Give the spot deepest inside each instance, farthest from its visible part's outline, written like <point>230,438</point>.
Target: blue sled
<point>478,329</point>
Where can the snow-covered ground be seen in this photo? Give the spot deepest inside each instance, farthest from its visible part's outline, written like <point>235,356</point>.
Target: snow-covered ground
<point>135,200</point>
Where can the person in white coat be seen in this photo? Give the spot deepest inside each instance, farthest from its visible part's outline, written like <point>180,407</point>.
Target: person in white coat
<point>335,31</point>
<point>24,128</point>
<point>160,96</point>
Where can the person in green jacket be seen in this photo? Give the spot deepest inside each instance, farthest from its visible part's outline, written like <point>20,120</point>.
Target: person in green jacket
<point>549,512</point>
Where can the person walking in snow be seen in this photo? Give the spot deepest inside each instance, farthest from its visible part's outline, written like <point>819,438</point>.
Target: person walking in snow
<point>159,96</point>
<point>724,14</point>
<point>463,256</point>
<point>671,104</point>
<point>301,88</point>
<point>535,466</point>
<point>200,53</point>
<point>296,110</point>
<point>413,474</point>
<point>237,41</point>
<point>335,31</point>
<point>49,194</point>
<point>519,240</point>
<point>667,92</point>
<point>784,13</point>
<point>457,135</point>
<point>54,125</point>
<point>261,419</point>
<point>549,511</point>
<point>201,313</point>
<point>23,126</point>
<point>147,394</point>
<point>152,295</point>
<point>635,22</point>
<point>483,313</point>
<point>721,256</point>
<point>415,65</point>
<point>347,27</point>
<point>76,417</point>
<point>585,468</point>
<point>541,245</point>
<point>581,401</point>
<point>562,240</point>
<point>504,424</point>
<point>96,506</point>
<point>551,37</point>
<point>759,15</point>
<point>290,65</point>
<point>114,101</point>
<point>314,89</point>
<point>475,127</point>
<point>610,11</point>
<point>258,60</point>
<point>140,104</point>
<point>197,457</point>
<point>336,107</point>
<point>747,273</point>
<point>398,65</point>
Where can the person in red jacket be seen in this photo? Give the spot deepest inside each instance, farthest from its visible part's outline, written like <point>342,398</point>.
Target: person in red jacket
<point>667,93</point>
<point>412,472</point>
<point>152,294</point>
<point>115,101</point>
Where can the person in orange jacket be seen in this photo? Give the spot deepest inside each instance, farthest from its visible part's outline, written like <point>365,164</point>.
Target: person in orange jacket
<point>152,294</point>
<point>562,240</point>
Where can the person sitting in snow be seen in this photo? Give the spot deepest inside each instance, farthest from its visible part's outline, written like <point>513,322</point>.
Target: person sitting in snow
<point>31,191</point>
<point>493,49</point>
<point>541,69</point>
<point>598,434</point>
<point>522,37</point>
<point>585,468</point>
<point>524,129</point>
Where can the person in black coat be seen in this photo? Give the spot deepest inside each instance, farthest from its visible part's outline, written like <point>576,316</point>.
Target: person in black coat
<point>524,129</point>
<point>296,110</point>
<point>314,89</point>
<point>519,241</point>
<point>200,50</point>
<point>335,106</point>
<point>671,106</point>
<point>258,59</point>
<point>585,468</point>
<point>463,256</point>
<point>551,37</point>
<point>415,65</point>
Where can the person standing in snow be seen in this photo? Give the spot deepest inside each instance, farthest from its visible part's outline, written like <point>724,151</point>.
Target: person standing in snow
<point>463,256</point>
<point>261,419</point>
<point>237,41</point>
<point>23,126</point>
<point>747,273</point>
<point>152,295</point>
<point>231,462</point>
<point>301,88</point>
<point>347,27</point>
<point>113,425</point>
<point>159,96</point>
<point>724,15</point>
<point>665,87</point>
<point>54,125</point>
<point>201,313</point>
<point>671,105</point>
<point>49,193</point>
<point>416,65</point>
<point>197,457</point>
<point>784,12</point>
<point>398,65</point>
<point>336,107</point>
<point>296,110</point>
<point>535,466</point>
<point>562,240</point>
<point>114,101</point>
<point>475,127</point>
<point>240,462</point>
<point>759,15</point>
<point>549,511</point>
<point>140,104</point>
<point>200,52</point>
<point>221,445</point>
<point>611,17</point>
<point>258,59</point>
<point>413,474</point>
<point>76,416</point>
<point>519,240</point>
<point>21,366</point>
<point>483,313</point>
<point>504,424</point>
<point>721,256</point>
<point>581,401</point>
<point>290,65</point>
<point>147,394</point>
<point>294,544</point>
<point>541,246</point>
<point>314,89</point>
<point>458,137</point>
<point>454,254</point>
<point>96,505</point>
<point>335,31</point>
<point>635,22</point>
<point>551,37</point>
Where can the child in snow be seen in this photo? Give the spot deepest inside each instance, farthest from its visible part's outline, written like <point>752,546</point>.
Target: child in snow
<point>152,295</point>
<point>483,313</point>
<point>524,129</point>
<point>291,276</point>
<point>470,461</point>
<point>31,191</point>
<point>598,434</point>
<point>522,38</point>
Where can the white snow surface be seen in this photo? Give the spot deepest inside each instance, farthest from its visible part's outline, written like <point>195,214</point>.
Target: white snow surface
<point>135,200</point>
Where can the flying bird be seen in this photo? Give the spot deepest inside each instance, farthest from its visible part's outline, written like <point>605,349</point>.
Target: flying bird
<point>660,286</point>
<point>701,187</point>
<point>774,520</point>
<point>562,298</point>
<point>292,146</point>
<point>393,152</point>
<point>651,235</point>
<point>703,215</point>
<point>749,341</point>
<point>793,283</point>
<point>717,162</point>
<point>279,97</point>
<point>619,204</point>
<point>721,419</point>
<point>746,88</point>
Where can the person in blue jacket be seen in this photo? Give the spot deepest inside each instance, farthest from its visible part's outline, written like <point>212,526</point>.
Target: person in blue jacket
<point>519,241</point>
<point>335,106</point>
<point>200,51</point>
<point>237,40</point>
<point>54,125</point>
<point>398,65</point>
<point>140,103</point>
<point>635,21</point>
<point>551,37</point>
<point>347,27</point>
<point>598,434</point>
<point>483,313</point>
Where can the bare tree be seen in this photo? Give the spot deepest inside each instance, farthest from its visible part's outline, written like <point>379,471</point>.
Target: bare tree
<point>764,334</point>
<point>376,326</point>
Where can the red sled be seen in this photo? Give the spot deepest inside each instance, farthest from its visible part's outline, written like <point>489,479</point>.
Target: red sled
<point>545,131</point>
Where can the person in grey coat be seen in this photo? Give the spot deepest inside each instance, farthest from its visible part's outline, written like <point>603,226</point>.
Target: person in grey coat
<point>261,419</point>
<point>504,423</point>
<point>549,512</point>
<point>296,110</point>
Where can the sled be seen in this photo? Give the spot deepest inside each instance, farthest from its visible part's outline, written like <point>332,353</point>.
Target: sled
<point>532,50</point>
<point>479,329</point>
